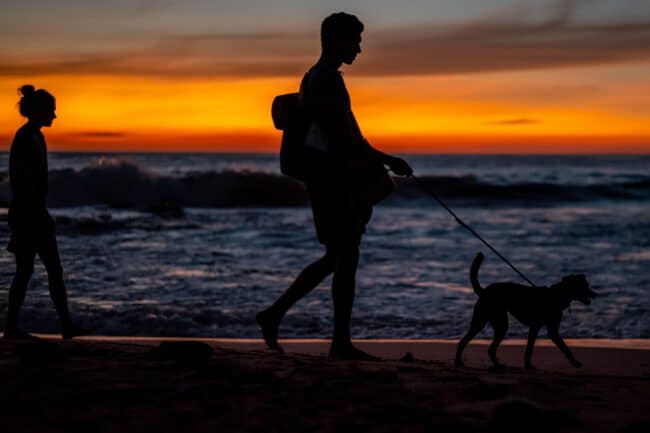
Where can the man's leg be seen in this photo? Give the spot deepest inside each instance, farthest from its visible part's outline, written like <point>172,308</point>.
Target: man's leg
<point>269,319</point>
<point>24,270</point>
<point>343,292</point>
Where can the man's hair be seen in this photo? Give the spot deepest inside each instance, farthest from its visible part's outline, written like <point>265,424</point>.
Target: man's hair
<point>339,26</point>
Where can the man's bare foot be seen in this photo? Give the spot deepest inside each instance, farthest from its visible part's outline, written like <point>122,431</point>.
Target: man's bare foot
<point>72,331</point>
<point>270,329</point>
<point>349,352</point>
<point>18,334</point>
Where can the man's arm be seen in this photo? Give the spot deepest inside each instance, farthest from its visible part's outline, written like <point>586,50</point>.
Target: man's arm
<point>399,166</point>
<point>331,109</point>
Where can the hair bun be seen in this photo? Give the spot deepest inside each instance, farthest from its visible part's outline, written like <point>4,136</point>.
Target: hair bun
<point>27,90</point>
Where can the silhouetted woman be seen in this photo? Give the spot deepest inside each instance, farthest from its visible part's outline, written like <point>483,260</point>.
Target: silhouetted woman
<point>32,227</point>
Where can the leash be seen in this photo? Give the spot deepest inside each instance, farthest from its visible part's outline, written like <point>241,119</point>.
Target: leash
<point>426,189</point>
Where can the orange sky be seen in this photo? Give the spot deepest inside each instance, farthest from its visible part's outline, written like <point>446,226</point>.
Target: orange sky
<point>498,112</point>
<point>530,77</point>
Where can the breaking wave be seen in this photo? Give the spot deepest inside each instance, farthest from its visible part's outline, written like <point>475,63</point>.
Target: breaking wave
<point>121,183</point>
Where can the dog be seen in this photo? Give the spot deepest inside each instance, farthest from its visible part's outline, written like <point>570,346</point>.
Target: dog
<point>533,306</point>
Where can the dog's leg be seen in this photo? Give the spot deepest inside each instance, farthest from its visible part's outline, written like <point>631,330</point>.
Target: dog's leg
<point>554,334</point>
<point>532,336</point>
<point>478,323</point>
<point>500,326</point>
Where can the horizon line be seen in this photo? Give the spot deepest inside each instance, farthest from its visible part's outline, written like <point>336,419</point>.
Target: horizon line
<point>269,152</point>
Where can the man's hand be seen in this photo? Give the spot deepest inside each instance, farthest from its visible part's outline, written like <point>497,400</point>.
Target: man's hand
<point>399,166</point>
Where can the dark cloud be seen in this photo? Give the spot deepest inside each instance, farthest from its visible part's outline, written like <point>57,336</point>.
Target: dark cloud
<point>503,43</point>
<point>200,55</point>
<point>487,47</point>
<point>146,7</point>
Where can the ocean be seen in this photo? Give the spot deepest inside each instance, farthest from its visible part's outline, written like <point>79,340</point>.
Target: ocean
<point>196,244</point>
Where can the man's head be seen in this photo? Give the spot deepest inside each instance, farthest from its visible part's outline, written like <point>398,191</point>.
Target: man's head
<point>340,36</point>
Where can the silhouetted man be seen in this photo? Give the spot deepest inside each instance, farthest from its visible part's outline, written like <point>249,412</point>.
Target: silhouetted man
<point>340,192</point>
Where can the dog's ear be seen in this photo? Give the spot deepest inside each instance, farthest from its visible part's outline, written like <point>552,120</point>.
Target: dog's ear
<point>578,281</point>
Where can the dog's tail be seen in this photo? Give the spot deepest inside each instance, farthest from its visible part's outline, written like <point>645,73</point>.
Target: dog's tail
<point>473,273</point>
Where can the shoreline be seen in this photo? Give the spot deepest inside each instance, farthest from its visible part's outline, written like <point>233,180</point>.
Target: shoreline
<point>605,343</point>
<point>605,357</point>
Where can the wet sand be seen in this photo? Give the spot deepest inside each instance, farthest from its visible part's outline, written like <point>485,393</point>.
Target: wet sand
<point>151,384</point>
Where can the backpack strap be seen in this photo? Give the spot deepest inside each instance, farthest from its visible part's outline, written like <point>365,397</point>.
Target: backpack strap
<point>303,93</point>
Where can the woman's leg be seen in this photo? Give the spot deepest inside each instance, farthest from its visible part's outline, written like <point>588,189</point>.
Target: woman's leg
<point>48,251</point>
<point>24,270</point>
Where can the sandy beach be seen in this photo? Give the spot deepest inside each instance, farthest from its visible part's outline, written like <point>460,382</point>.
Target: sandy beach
<point>114,384</point>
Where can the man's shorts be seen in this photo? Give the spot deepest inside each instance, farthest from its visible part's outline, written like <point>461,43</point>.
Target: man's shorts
<point>340,219</point>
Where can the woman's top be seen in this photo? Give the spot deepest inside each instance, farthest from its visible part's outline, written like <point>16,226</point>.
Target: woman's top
<point>28,177</point>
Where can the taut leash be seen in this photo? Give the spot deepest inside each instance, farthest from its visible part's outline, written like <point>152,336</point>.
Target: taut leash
<point>471,230</point>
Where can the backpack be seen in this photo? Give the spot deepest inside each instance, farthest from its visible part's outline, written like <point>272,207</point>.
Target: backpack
<point>294,120</point>
<point>306,163</point>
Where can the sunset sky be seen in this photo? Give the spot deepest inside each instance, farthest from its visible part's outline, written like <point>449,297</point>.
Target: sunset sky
<point>452,76</point>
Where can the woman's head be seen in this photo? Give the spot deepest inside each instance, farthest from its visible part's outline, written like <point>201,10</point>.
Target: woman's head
<point>38,106</point>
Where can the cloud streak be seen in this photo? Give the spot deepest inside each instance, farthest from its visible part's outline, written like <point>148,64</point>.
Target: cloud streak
<point>490,45</point>
<point>99,134</point>
<point>515,122</point>
<point>200,55</point>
